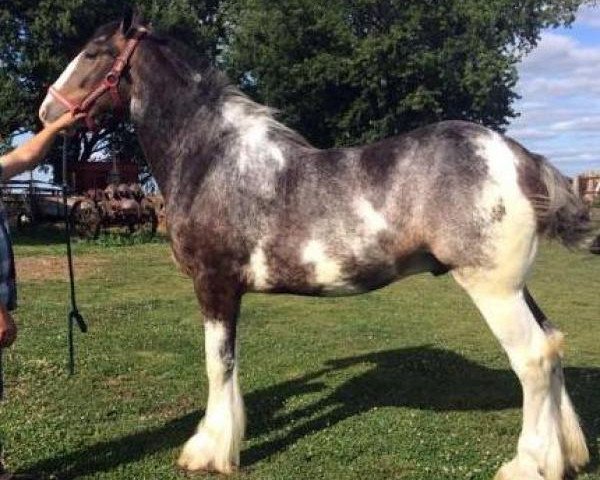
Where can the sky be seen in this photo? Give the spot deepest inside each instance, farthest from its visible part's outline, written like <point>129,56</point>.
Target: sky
<point>559,86</point>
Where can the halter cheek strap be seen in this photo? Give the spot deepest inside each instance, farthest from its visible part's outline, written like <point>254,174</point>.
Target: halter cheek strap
<point>109,83</point>
<point>62,99</point>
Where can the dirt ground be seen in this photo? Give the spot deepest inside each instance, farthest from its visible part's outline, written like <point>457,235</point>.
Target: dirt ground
<point>52,267</point>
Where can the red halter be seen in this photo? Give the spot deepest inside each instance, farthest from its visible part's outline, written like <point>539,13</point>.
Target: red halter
<point>110,83</point>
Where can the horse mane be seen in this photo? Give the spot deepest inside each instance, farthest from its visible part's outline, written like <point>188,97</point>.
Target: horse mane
<point>204,81</point>
<point>268,114</point>
<point>204,84</point>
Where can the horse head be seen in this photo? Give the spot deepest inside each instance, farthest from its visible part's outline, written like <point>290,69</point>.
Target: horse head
<point>96,81</point>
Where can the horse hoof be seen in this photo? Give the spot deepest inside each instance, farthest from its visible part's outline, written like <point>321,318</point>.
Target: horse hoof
<point>201,453</point>
<point>515,471</point>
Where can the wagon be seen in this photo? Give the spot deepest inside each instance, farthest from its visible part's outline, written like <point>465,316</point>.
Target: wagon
<point>595,216</point>
<point>98,201</point>
<point>17,207</point>
<point>97,210</point>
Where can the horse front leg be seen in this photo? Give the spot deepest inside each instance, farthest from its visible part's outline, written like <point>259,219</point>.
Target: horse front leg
<point>217,442</point>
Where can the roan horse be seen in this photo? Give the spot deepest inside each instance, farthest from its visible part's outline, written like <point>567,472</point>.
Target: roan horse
<point>252,207</point>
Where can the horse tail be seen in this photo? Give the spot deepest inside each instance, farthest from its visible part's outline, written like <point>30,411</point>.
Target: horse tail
<point>560,213</point>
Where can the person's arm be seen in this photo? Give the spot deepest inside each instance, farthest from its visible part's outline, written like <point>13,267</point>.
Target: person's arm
<point>28,155</point>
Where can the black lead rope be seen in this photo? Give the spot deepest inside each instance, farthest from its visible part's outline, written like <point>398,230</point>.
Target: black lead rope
<point>74,315</point>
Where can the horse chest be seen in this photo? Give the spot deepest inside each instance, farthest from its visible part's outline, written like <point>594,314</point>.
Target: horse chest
<point>211,248</point>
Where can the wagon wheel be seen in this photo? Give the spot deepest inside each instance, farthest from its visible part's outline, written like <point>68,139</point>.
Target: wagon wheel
<point>85,220</point>
<point>24,220</point>
<point>148,222</point>
<point>131,222</point>
<point>595,247</point>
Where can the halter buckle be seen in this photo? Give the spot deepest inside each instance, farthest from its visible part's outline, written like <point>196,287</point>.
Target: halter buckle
<point>111,79</point>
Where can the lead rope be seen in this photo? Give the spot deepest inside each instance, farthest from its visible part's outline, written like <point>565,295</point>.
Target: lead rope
<point>74,315</point>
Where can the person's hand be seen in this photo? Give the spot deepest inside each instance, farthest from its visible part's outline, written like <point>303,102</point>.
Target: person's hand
<point>8,329</point>
<point>65,121</point>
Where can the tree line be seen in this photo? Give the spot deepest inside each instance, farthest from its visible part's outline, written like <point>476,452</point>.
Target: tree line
<point>341,72</point>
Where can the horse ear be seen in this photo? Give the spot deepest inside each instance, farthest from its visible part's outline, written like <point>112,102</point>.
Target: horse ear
<point>133,20</point>
<point>127,22</point>
<point>138,19</point>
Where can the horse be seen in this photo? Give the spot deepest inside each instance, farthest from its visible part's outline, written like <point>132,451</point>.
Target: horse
<point>251,206</point>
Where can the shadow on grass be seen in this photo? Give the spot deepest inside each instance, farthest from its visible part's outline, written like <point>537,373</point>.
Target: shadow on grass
<point>36,235</point>
<point>54,234</point>
<point>423,378</point>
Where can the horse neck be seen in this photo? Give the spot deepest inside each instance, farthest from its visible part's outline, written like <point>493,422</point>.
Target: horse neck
<point>187,127</point>
<point>171,122</point>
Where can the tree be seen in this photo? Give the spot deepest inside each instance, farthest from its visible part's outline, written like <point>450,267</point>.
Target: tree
<point>346,72</point>
<point>39,37</point>
<point>343,72</point>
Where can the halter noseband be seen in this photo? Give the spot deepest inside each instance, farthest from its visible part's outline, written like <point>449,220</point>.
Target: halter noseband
<point>109,83</point>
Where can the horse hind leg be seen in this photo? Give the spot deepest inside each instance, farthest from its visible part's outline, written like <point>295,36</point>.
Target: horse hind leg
<point>551,444</point>
<point>574,445</point>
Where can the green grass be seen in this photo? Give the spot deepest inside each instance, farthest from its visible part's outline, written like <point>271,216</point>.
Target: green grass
<point>402,383</point>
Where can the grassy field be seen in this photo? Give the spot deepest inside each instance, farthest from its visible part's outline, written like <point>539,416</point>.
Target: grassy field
<point>402,383</point>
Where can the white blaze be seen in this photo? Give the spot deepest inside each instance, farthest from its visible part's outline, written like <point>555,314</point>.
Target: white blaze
<point>61,81</point>
<point>66,74</point>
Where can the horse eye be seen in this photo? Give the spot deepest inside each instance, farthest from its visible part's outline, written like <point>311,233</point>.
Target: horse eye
<point>90,55</point>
